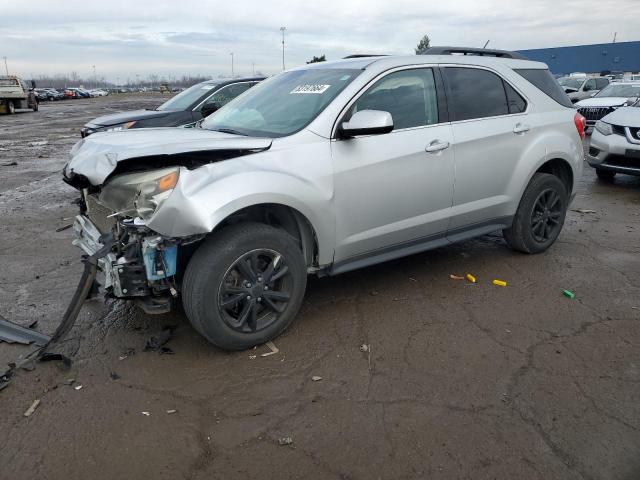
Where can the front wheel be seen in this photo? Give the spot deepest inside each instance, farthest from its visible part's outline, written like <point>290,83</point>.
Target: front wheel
<point>244,285</point>
<point>11,107</point>
<point>540,215</point>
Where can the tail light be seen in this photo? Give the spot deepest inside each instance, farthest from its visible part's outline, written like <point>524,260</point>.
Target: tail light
<point>581,124</point>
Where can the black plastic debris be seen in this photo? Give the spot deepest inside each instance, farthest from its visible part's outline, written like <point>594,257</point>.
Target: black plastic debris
<point>56,357</point>
<point>5,377</point>
<point>13,333</point>
<point>156,341</point>
<point>114,376</point>
<point>64,227</point>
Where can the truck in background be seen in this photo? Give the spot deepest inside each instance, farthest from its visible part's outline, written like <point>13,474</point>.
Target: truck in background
<point>15,94</point>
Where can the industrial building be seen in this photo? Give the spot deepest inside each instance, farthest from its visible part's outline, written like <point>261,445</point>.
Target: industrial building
<point>601,57</point>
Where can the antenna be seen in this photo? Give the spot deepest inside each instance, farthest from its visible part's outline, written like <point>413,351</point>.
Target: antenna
<point>485,45</point>
<point>614,37</point>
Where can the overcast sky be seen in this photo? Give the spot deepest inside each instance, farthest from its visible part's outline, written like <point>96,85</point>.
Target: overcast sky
<point>125,38</point>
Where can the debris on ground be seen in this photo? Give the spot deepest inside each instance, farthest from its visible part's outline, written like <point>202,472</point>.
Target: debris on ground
<point>129,353</point>
<point>53,357</point>
<point>471,278</point>
<point>156,341</point>
<point>316,378</point>
<point>64,227</point>
<point>455,277</point>
<point>568,294</point>
<point>32,408</point>
<point>499,283</point>
<point>27,365</point>
<point>114,376</point>
<point>69,381</point>
<point>272,347</point>
<point>169,412</point>
<point>583,210</point>
<point>13,333</point>
<point>78,387</point>
<point>146,414</point>
<point>10,164</point>
<point>252,357</point>
<point>285,441</point>
<point>5,377</point>
<point>364,347</point>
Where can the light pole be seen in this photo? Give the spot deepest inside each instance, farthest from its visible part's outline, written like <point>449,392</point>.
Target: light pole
<point>95,79</point>
<point>6,68</point>
<point>253,68</point>
<point>232,72</point>
<point>138,81</point>
<point>282,29</point>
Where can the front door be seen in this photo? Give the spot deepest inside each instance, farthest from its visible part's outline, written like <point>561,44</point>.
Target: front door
<point>394,190</point>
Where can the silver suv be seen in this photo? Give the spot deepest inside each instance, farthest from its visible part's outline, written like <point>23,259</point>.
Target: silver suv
<point>324,169</point>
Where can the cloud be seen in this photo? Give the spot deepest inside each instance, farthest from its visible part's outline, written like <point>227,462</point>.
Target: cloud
<point>196,36</point>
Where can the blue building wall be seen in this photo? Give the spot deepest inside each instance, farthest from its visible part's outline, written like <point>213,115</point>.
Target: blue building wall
<point>616,57</point>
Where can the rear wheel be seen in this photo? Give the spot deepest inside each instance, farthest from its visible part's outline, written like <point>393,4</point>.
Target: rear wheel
<point>606,175</point>
<point>540,215</point>
<point>244,285</point>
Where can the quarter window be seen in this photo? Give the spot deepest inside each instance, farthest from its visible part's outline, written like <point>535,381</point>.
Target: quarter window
<point>408,95</point>
<point>476,93</point>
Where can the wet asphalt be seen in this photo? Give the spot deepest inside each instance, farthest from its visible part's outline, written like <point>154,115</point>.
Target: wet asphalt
<point>458,380</point>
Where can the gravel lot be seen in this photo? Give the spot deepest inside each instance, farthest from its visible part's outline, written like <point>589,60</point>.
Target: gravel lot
<point>459,380</point>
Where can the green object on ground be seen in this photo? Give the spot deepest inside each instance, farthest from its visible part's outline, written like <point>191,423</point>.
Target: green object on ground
<point>568,294</point>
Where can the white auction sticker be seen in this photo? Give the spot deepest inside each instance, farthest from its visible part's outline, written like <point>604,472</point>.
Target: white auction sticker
<point>310,88</point>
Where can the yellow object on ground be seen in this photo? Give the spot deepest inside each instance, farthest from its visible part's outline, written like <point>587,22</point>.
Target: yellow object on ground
<point>500,283</point>
<point>471,278</point>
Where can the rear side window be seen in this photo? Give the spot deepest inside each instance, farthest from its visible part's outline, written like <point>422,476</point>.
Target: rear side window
<point>602,82</point>
<point>544,81</point>
<point>476,93</point>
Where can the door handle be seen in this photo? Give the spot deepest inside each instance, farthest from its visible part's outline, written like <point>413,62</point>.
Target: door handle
<point>520,128</point>
<point>436,146</point>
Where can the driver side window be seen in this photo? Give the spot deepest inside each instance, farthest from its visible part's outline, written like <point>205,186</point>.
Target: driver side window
<point>408,95</point>
<point>590,85</point>
<point>226,94</point>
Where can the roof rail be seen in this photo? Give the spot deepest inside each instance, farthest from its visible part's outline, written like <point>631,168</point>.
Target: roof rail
<point>365,55</point>
<point>483,52</point>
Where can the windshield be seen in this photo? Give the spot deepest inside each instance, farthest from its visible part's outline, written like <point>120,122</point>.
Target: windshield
<point>283,104</point>
<point>571,82</point>
<point>620,90</point>
<point>185,99</point>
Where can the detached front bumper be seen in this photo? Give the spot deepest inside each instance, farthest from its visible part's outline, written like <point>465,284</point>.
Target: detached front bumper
<point>140,264</point>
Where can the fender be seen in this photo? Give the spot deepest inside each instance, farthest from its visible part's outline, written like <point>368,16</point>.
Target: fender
<point>206,196</point>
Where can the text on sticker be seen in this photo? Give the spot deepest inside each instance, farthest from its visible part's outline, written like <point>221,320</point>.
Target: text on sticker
<point>310,88</point>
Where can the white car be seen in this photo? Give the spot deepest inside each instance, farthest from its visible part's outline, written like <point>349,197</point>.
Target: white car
<point>615,144</point>
<point>613,96</point>
<point>98,93</point>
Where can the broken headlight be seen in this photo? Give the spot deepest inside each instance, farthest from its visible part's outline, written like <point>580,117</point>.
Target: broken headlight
<point>139,194</point>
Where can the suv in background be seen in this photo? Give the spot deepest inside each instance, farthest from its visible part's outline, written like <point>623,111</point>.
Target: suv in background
<point>610,98</point>
<point>578,88</point>
<point>323,169</point>
<point>185,109</point>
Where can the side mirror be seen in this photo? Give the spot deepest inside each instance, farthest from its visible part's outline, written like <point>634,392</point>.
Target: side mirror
<point>367,122</point>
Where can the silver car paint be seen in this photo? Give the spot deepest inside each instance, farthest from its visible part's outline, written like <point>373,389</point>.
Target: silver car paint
<point>616,144</point>
<point>365,193</point>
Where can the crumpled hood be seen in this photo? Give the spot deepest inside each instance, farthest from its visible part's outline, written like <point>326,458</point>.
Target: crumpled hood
<point>123,117</point>
<point>97,156</point>
<point>625,117</point>
<point>602,102</point>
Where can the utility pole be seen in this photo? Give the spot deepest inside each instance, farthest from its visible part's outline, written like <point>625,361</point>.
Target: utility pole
<point>95,79</point>
<point>282,29</point>
<point>232,72</point>
<point>5,65</point>
<point>485,45</point>
<point>138,81</point>
<point>253,68</point>
<point>614,37</point>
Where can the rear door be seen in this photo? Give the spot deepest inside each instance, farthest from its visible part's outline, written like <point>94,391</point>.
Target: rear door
<point>490,132</point>
<point>394,190</point>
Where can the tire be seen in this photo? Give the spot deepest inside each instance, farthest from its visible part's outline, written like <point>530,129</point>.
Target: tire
<point>221,270</point>
<point>11,107</point>
<point>540,215</point>
<point>606,175</point>
<point>35,107</point>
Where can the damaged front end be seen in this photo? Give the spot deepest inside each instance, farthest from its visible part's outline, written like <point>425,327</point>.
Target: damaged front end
<point>141,265</point>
